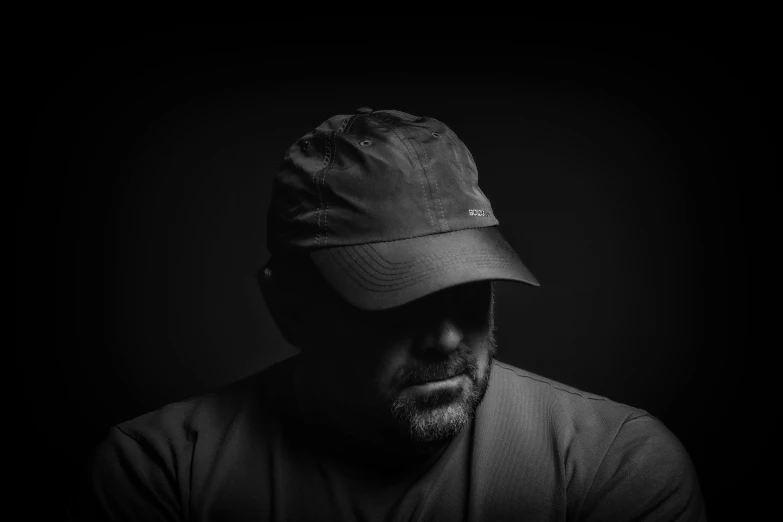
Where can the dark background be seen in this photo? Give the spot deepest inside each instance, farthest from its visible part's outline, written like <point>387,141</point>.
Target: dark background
<point>624,162</point>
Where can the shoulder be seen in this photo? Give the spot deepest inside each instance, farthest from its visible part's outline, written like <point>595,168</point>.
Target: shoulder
<point>213,411</point>
<point>523,410</point>
<point>613,458</point>
<point>645,474</point>
<point>179,423</point>
<point>589,426</point>
<point>155,462</point>
<point>559,403</point>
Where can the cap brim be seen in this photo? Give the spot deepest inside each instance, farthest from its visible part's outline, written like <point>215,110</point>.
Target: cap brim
<point>377,276</point>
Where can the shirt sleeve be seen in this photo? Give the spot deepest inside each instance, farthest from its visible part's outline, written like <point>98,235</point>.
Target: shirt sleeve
<point>646,475</point>
<point>126,480</point>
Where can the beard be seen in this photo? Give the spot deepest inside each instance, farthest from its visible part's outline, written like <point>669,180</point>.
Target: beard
<point>429,418</point>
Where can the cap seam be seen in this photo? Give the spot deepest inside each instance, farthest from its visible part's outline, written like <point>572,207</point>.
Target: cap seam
<point>421,178</point>
<point>377,261</point>
<point>323,210</point>
<point>413,237</point>
<point>350,123</point>
<point>323,184</point>
<point>443,224</point>
<point>317,213</point>
<point>347,122</point>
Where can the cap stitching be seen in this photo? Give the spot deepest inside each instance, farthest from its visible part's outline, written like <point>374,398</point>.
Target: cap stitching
<point>350,123</point>
<point>378,269</point>
<point>408,147</point>
<point>324,163</point>
<point>444,223</point>
<point>381,261</point>
<point>363,277</point>
<point>323,183</point>
<point>365,266</point>
<point>424,170</point>
<point>347,122</point>
<point>472,160</point>
<point>357,277</point>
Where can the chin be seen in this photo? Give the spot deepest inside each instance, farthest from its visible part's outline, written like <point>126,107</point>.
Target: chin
<point>437,416</point>
<point>438,424</point>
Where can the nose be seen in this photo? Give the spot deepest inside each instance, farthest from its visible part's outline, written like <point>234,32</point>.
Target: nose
<point>444,337</point>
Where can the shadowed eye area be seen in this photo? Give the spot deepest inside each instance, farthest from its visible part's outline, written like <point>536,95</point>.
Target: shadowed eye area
<point>467,304</point>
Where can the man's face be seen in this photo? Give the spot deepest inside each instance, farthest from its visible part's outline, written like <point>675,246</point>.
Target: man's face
<point>420,369</point>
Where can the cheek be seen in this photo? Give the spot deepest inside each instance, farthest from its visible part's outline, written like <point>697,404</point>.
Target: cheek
<point>368,362</point>
<point>386,365</point>
<point>481,349</point>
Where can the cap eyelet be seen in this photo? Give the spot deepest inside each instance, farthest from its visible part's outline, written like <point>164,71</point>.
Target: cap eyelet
<point>365,143</point>
<point>305,145</point>
<point>435,134</point>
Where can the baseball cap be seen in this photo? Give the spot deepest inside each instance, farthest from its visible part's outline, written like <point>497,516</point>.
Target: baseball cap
<point>388,207</point>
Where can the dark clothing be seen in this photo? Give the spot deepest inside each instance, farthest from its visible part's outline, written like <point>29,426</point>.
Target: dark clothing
<point>536,450</point>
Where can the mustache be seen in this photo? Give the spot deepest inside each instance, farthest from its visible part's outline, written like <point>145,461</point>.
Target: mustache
<point>462,361</point>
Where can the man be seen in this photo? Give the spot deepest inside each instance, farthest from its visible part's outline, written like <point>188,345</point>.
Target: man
<point>384,253</point>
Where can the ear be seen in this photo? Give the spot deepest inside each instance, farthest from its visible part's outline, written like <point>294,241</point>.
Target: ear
<point>294,291</point>
<point>285,312</point>
<point>264,278</point>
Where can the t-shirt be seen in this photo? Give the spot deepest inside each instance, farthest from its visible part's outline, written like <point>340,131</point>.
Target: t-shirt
<point>535,450</point>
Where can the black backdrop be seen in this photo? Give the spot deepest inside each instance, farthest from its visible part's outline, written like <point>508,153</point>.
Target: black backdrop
<point>617,158</point>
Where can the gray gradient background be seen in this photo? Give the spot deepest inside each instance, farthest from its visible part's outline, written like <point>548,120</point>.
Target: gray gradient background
<point>613,156</point>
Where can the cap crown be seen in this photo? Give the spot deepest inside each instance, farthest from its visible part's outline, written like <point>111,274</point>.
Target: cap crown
<point>371,177</point>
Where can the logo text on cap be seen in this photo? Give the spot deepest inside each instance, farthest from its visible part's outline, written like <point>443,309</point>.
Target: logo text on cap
<point>479,213</point>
